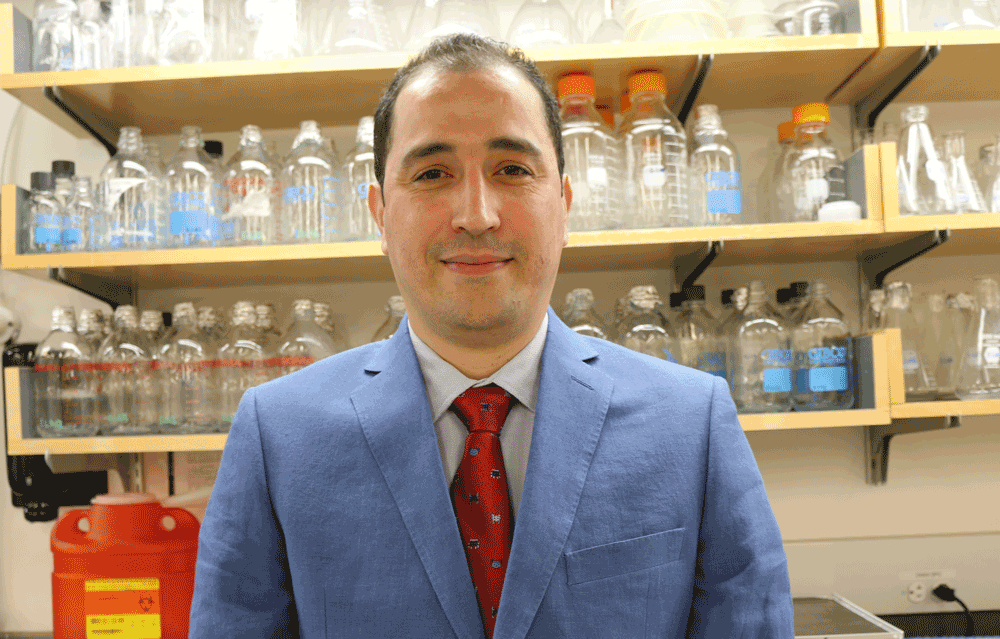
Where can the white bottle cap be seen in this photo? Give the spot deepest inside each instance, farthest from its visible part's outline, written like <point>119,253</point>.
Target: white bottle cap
<point>843,211</point>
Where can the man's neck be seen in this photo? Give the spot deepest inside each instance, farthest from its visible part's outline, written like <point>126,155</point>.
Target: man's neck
<point>474,361</point>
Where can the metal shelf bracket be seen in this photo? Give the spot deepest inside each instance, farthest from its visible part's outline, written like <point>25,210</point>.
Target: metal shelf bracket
<point>129,466</point>
<point>866,110</point>
<point>100,131</point>
<point>108,291</point>
<point>688,268</point>
<point>877,440</point>
<point>692,87</point>
<point>876,264</point>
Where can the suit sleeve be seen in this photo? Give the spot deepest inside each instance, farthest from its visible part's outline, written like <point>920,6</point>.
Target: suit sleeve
<point>242,585</point>
<point>741,586</point>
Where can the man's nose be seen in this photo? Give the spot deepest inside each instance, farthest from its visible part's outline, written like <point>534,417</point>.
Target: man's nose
<point>476,212</point>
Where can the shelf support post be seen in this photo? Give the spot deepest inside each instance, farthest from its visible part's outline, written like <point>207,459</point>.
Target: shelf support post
<point>877,440</point>
<point>866,110</point>
<point>692,87</point>
<point>688,268</point>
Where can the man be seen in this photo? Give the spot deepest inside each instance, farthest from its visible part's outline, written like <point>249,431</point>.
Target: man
<point>399,489</point>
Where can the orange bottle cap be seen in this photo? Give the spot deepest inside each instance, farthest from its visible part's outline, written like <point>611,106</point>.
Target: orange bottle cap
<point>786,131</point>
<point>813,112</point>
<point>606,113</point>
<point>646,81</point>
<point>577,83</point>
<point>626,102</point>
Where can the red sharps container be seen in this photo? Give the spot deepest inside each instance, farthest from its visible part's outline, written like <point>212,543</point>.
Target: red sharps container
<point>127,573</point>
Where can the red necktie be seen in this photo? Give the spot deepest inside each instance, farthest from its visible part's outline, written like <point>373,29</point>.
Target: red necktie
<point>479,494</point>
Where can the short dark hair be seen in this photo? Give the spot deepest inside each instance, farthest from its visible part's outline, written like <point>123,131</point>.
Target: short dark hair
<point>461,53</point>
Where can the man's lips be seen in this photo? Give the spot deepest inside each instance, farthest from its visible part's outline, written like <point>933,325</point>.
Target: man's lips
<point>476,259</point>
<point>475,264</point>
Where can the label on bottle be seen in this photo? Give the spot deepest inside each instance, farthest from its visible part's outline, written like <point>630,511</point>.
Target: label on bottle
<point>725,202</point>
<point>777,380</point>
<point>713,363</point>
<point>126,608</point>
<point>816,190</point>
<point>991,351</point>
<point>597,176</point>
<point>362,189</point>
<point>911,362</point>
<point>296,194</point>
<point>188,213</point>
<point>828,378</point>
<point>654,175</point>
<point>72,234</point>
<point>46,229</point>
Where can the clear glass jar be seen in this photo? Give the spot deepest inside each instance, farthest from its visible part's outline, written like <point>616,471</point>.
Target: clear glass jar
<point>699,343</point>
<point>716,184</point>
<point>656,162</point>
<point>762,348</point>
<point>813,171</point>
<point>43,215</point>
<point>726,331</point>
<point>979,372</point>
<point>194,190</point>
<point>304,342</point>
<point>253,195</point>
<point>924,187</point>
<point>52,35</point>
<point>359,170</point>
<point>593,157</point>
<point>65,381</point>
<point>395,309</point>
<point>242,361</point>
<point>321,313</point>
<point>270,336</point>
<point>128,193</point>
<point>645,328</point>
<point>125,369</point>
<point>542,23</point>
<point>968,197</point>
<point>580,316</point>
<point>821,351</point>
<point>190,402</point>
<point>918,377</point>
<point>312,190</point>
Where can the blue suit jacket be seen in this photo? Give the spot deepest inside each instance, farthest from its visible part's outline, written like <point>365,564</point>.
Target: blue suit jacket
<point>643,512</point>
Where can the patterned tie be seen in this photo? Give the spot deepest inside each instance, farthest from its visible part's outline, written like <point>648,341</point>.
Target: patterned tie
<point>479,494</point>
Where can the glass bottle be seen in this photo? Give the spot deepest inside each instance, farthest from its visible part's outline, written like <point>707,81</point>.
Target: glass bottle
<point>761,346</point>
<point>321,313</point>
<point>62,175</point>
<point>699,343</point>
<point>580,316</point>
<point>181,36</point>
<point>212,325</point>
<point>767,189</point>
<point>726,331</point>
<point>813,172</point>
<point>304,342</point>
<point>645,328</point>
<point>188,382</point>
<point>359,170</point>
<point>944,349</point>
<point>985,173</point>
<point>148,396</point>
<point>968,197</point>
<point>194,191</point>
<point>716,187</point>
<point>436,18</point>
<point>127,194</point>
<point>819,17</point>
<point>312,182</point>
<point>253,203</point>
<point>272,28</point>
<point>542,23</point>
<point>592,157</point>
<point>918,377</point>
<point>395,309</point>
<point>270,338</point>
<point>90,327</point>
<point>52,35</point>
<point>821,351</point>
<point>656,163</point>
<point>43,215</point>
<point>949,15</point>
<point>924,188</point>
<point>124,368</point>
<point>78,230</point>
<point>65,383</point>
<point>151,327</point>
<point>979,371</point>
<point>242,361</point>
<point>362,28</point>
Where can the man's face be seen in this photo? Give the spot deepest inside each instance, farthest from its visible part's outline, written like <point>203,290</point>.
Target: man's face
<point>474,219</point>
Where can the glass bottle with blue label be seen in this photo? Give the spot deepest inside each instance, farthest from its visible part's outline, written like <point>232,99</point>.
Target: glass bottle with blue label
<point>52,35</point>
<point>579,314</point>
<point>979,373</point>
<point>813,172</point>
<point>716,186</point>
<point>761,343</point>
<point>918,376</point>
<point>699,344</point>
<point>127,195</point>
<point>43,214</point>
<point>726,330</point>
<point>645,328</point>
<point>312,186</point>
<point>253,198</point>
<point>821,350</point>
<point>193,189</point>
<point>359,169</point>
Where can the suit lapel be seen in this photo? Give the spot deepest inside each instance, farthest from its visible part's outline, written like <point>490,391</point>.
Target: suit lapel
<point>572,405</point>
<point>395,417</point>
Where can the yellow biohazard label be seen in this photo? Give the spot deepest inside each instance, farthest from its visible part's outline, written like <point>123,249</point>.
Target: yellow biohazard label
<point>123,626</point>
<point>122,608</point>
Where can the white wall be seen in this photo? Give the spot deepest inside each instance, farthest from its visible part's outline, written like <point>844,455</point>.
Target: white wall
<point>938,511</point>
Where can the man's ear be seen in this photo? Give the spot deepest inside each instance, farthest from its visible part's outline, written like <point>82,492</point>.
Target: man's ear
<point>568,199</point>
<point>377,209</point>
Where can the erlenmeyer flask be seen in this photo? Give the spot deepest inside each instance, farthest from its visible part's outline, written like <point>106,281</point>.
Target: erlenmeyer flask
<point>593,15</point>
<point>433,19</point>
<point>918,378</point>
<point>949,15</point>
<point>542,23</point>
<point>979,372</point>
<point>968,197</point>
<point>924,188</point>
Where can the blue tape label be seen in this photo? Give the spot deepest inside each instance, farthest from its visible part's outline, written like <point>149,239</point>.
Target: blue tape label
<point>777,380</point>
<point>828,378</point>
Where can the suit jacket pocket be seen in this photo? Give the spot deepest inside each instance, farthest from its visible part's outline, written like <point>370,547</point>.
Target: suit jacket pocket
<point>620,557</point>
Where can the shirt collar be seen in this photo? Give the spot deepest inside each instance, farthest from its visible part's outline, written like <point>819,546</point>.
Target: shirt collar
<point>444,382</point>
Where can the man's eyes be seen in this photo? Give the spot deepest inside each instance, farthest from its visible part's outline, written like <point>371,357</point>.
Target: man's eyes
<point>513,170</point>
<point>430,174</point>
<point>510,170</point>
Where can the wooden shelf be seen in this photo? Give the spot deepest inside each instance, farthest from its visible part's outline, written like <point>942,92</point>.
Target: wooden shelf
<point>954,408</point>
<point>815,419</point>
<point>93,445</point>
<point>224,96</point>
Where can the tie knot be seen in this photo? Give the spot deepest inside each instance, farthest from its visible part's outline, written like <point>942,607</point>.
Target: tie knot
<point>484,408</point>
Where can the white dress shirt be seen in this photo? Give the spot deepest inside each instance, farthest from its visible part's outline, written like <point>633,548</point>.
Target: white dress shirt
<point>519,377</point>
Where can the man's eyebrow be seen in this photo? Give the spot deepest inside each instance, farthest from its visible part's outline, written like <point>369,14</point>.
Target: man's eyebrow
<point>517,145</point>
<point>426,150</point>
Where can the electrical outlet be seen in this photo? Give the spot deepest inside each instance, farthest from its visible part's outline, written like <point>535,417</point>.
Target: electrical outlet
<point>916,592</point>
